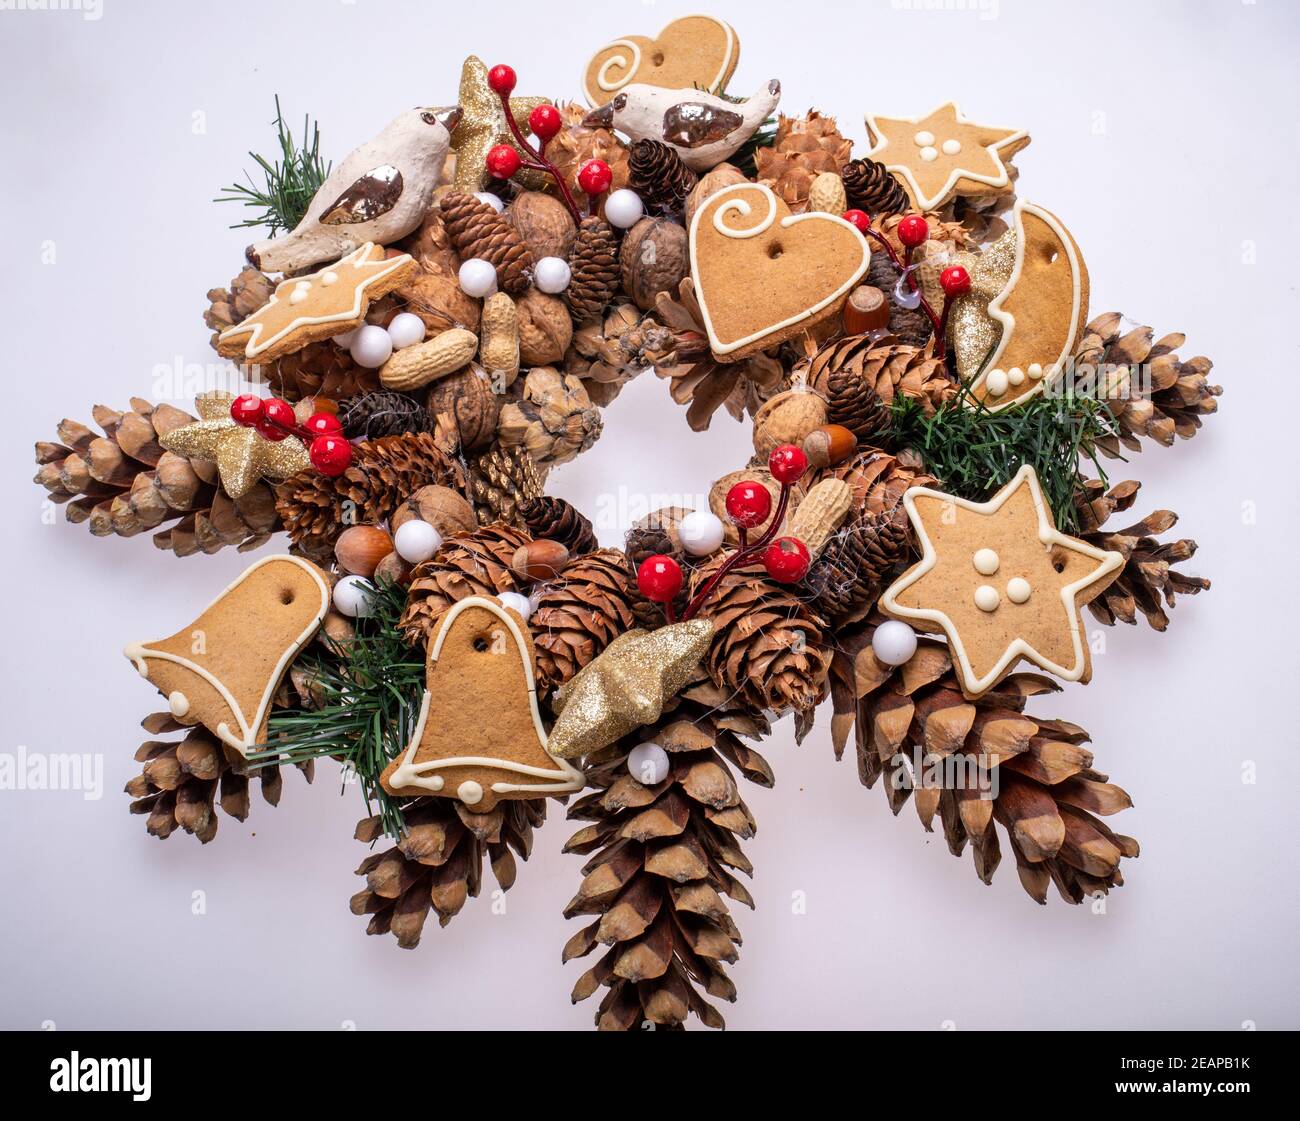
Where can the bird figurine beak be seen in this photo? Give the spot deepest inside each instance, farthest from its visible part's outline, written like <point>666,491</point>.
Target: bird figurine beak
<point>600,118</point>
<point>448,116</point>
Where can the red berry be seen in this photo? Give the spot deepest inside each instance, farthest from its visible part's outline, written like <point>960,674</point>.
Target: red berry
<point>278,412</point>
<point>955,281</point>
<point>545,121</point>
<point>246,410</point>
<point>502,161</point>
<point>269,431</point>
<point>858,219</point>
<point>502,79</point>
<point>594,177</point>
<point>748,504</point>
<point>659,578</point>
<point>787,463</point>
<point>323,424</point>
<point>913,230</point>
<point>787,560</point>
<point>330,455</point>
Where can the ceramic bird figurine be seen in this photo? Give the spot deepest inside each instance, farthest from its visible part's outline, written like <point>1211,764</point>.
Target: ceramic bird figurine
<point>701,128</point>
<point>380,193</point>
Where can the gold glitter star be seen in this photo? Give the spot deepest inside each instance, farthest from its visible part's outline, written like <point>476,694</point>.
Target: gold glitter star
<point>943,154</point>
<point>972,331</point>
<point>483,126</point>
<point>242,455</point>
<point>626,686</point>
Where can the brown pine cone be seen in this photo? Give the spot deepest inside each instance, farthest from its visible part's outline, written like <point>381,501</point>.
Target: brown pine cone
<point>872,187</point>
<point>479,231</point>
<point>595,270</point>
<point>659,176</point>
<point>653,536</point>
<point>890,367</point>
<point>500,480</point>
<point>249,291</point>
<point>316,508</point>
<point>319,370</point>
<point>851,401</point>
<point>908,325</point>
<point>385,413</point>
<point>550,415</point>
<point>468,564</point>
<point>438,863</point>
<point>580,613</point>
<point>857,564</point>
<point>558,520</point>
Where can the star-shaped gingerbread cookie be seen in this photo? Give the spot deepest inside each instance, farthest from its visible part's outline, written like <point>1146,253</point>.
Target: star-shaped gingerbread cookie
<point>311,308</point>
<point>1001,582</point>
<point>483,126</point>
<point>942,154</point>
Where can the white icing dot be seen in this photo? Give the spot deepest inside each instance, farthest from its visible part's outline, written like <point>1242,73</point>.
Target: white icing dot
<point>996,382</point>
<point>330,277</point>
<point>300,292</point>
<point>986,561</point>
<point>987,598</point>
<point>923,139</point>
<point>471,793</point>
<point>178,702</point>
<point>1035,371</point>
<point>951,147</point>
<point>1018,589</point>
<point>928,154</point>
<point>1016,376</point>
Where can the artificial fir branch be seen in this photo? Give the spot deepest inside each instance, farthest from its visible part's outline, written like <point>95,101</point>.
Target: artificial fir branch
<point>291,181</point>
<point>366,691</point>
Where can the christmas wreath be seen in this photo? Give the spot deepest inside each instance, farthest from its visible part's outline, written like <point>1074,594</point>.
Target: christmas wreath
<point>925,517</point>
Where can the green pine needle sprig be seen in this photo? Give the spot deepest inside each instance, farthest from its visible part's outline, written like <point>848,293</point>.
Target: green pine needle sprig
<point>290,181</point>
<point>368,691</point>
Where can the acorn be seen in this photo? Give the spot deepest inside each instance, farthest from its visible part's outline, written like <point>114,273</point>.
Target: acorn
<point>539,560</point>
<point>829,444</point>
<point>360,548</point>
<point>866,310</point>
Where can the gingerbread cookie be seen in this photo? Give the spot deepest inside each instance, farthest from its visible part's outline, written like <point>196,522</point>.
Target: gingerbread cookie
<point>1000,582</point>
<point>312,308</point>
<point>222,670</point>
<point>480,736</point>
<point>762,274</point>
<point>698,52</point>
<point>943,155</point>
<point>1040,312</point>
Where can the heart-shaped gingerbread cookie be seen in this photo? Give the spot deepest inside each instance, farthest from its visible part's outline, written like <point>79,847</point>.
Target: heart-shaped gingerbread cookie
<point>694,52</point>
<point>763,274</point>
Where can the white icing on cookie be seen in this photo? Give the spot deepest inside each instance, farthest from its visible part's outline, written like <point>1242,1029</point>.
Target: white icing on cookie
<point>986,561</point>
<point>987,598</point>
<point>924,139</point>
<point>951,147</point>
<point>1018,589</point>
<point>927,153</point>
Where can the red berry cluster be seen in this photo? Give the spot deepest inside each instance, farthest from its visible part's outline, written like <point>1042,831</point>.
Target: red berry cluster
<point>274,419</point>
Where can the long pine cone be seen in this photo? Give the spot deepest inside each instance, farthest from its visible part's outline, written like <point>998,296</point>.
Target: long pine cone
<point>500,481</point>
<point>479,231</point>
<point>983,762</point>
<point>889,367</point>
<point>595,270</point>
<point>662,858</point>
<point>659,176</point>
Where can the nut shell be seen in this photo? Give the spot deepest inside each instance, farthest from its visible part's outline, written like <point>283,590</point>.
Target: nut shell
<point>469,402</point>
<point>724,175</point>
<point>545,329</point>
<point>654,258</point>
<point>828,445</point>
<point>786,419</point>
<point>540,560</point>
<point>441,507</point>
<point>544,223</point>
<point>360,548</point>
<point>718,499</point>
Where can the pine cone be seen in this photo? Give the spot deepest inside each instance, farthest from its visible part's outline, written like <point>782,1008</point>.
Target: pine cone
<point>438,863</point>
<point>1150,390</point>
<point>803,148</point>
<point>123,483</point>
<point>609,352</point>
<point>385,413</point>
<point>479,231</point>
<point>595,271</point>
<point>663,857</point>
<point>319,370</point>
<point>580,613</point>
<point>551,417</point>
<point>558,520</point>
<point>1034,776</point>
<point>872,187</point>
<point>890,368</point>
<point>575,144</point>
<point>909,325</point>
<point>1148,574</point>
<point>316,508</point>
<point>659,176</point>
<point>182,780</point>
<point>468,564</point>
<point>856,564</point>
<point>770,647</point>
<point>851,401</point>
<point>249,291</point>
<point>652,536</point>
<point>500,480</point>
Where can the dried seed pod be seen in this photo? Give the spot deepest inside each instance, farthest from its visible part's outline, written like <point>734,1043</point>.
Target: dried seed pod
<point>441,507</point>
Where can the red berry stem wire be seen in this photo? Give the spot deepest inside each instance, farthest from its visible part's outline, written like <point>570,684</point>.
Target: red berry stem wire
<point>538,160</point>
<point>911,283</point>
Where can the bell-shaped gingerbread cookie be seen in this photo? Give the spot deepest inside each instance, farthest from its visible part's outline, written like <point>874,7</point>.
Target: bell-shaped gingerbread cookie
<point>222,670</point>
<point>480,736</point>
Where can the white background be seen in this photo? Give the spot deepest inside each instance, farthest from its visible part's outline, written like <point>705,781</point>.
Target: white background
<point>1165,137</point>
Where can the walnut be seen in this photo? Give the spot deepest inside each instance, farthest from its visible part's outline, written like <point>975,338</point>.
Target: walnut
<point>654,259</point>
<point>466,401</point>
<point>544,223</point>
<point>545,329</point>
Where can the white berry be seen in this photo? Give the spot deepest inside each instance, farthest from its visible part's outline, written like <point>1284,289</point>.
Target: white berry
<point>416,541</point>
<point>624,209</point>
<point>477,278</point>
<point>406,329</point>
<point>701,532</point>
<point>521,605</point>
<point>648,763</point>
<point>371,346</point>
<point>352,597</point>
<point>893,642</point>
<point>494,201</point>
<point>552,275</point>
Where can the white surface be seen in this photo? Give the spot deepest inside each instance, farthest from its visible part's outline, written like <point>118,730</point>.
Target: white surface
<point>1164,137</point>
